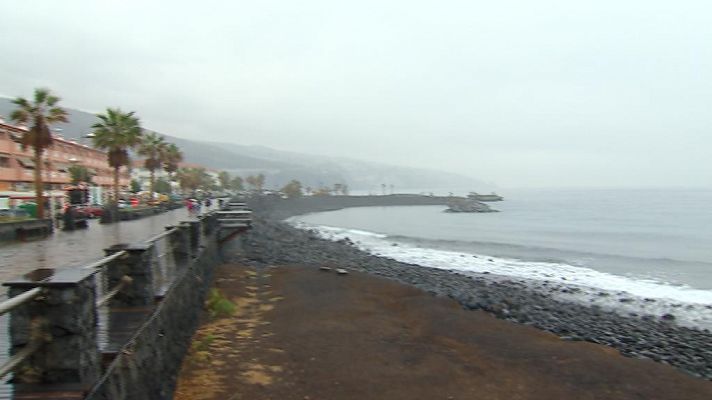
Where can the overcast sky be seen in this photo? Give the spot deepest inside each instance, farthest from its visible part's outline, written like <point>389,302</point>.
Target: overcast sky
<point>521,93</point>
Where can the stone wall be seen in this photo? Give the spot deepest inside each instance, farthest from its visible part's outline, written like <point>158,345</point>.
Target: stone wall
<point>19,230</point>
<point>146,368</point>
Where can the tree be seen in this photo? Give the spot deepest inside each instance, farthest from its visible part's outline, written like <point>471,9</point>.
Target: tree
<point>224,179</point>
<point>256,181</point>
<point>322,191</point>
<point>192,179</point>
<point>236,183</point>
<point>117,132</point>
<point>153,147</point>
<point>135,186</point>
<point>79,173</point>
<point>171,158</point>
<point>163,186</point>
<point>293,189</point>
<point>38,115</point>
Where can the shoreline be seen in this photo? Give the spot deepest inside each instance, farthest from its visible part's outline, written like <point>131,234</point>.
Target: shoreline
<point>273,241</point>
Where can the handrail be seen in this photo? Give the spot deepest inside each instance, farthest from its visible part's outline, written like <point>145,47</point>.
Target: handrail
<point>18,300</point>
<point>37,339</point>
<point>106,260</point>
<point>19,357</point>
<point>125,281</point>
<point>162,235</point>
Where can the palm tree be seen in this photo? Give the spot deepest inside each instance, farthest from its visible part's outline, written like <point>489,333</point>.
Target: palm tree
<point>117,132</point>
<point>153,147</point>
<point>39,114</point>
<point>171,158</point>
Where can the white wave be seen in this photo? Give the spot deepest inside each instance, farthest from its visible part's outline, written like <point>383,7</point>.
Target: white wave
<point>667,298</point>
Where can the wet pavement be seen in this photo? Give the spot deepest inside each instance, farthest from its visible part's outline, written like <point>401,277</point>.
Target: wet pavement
<point>65,249</point>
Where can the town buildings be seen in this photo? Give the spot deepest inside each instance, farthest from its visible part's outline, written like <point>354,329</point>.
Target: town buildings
<point>17,168</point>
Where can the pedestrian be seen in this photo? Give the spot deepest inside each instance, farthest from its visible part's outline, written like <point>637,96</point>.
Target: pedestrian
<point>197,205</point>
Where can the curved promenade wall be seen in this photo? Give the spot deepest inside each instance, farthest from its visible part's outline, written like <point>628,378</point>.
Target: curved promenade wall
<point>280,208</point>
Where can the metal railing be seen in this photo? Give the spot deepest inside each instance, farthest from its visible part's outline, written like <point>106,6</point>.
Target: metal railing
<point>13,302</point>
<point>37,339</point>
<point>102,262</point>
<point>125,281</point>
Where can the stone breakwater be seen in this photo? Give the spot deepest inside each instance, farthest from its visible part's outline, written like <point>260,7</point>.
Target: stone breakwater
<point>274,242</point>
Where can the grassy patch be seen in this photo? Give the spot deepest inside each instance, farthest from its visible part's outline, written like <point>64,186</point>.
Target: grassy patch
<point>218,305</point>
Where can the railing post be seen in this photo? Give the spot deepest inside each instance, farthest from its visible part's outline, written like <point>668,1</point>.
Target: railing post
<point>66,313</point>
<point>194,229</point>
<point>179,243</point>
<point>138,265</point>
<point>210,223</point>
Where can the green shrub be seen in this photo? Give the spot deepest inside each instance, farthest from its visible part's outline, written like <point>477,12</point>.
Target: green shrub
<point>218,305</point>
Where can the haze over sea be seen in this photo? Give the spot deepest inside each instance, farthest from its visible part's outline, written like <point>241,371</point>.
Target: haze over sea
<point>615,245</point>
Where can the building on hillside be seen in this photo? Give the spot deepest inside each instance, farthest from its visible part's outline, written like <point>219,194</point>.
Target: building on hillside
<point>17,168</point>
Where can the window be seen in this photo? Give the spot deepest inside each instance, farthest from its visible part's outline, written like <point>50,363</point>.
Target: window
<point>4,162</point>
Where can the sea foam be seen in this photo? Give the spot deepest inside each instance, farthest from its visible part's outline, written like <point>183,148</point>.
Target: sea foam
<point>623,294</point>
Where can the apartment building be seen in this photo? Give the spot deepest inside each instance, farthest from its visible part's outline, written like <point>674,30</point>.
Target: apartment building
<point>17,167</point>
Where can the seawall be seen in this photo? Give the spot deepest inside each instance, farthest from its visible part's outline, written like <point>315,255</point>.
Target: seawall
<point>147,366</point>
<point>280,208</point>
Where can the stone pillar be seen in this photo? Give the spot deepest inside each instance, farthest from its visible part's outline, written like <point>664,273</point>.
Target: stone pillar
<point>209,223</point>
<point>194,229</point>
<point>138,265</point>
<point>179,242</point>
<point>66,316</point>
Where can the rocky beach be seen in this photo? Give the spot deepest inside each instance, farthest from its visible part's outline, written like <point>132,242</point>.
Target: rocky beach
<point>654,337</point>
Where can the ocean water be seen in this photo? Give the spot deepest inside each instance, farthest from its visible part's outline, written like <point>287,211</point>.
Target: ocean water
<point>632,251</point>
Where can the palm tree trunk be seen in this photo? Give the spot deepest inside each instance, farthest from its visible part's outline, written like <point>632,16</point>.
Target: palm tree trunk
<point>39,185</point>
<point>153,183</point>
<point>116,185</point>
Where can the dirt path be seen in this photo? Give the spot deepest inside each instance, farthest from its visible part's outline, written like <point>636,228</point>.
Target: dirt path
<point>301,333</point>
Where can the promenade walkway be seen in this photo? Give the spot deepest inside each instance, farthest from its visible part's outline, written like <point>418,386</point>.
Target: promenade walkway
<point>66,248</point>
<point>306,334</point>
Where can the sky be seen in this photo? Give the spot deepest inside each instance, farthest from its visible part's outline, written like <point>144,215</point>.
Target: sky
<point>520,93</point>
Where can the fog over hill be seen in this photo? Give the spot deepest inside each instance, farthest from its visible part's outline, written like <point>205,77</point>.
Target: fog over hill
<point>281,166</point>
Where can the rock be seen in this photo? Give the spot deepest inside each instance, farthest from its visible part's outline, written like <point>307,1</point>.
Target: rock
<point>667,317</point>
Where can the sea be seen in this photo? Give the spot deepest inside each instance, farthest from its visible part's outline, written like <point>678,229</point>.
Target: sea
<point>638,252</point>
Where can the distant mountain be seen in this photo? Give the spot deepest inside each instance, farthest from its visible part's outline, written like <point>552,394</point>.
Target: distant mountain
<point>282,166</point>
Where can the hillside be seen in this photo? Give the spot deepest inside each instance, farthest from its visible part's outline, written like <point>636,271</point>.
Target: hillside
<point>281,166</point>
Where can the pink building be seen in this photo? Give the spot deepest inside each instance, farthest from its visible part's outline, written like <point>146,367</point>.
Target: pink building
<point>17,166</point>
